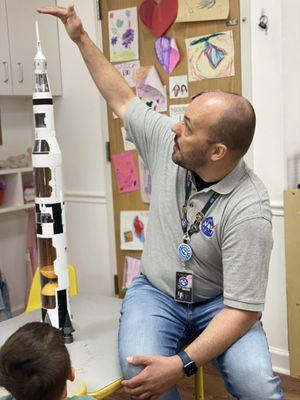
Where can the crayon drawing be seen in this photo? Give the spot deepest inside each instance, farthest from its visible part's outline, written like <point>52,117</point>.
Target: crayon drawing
<point>126,172</point>
<point>127,70</point>
<point>202,10</point>
<point>133,226</point>
<point>150,89</point>
<point>132,268</point>
<point>210,56</point>
<point>123,34</point>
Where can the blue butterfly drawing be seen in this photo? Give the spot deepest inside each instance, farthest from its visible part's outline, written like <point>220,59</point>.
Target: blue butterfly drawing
<point>214,53</point>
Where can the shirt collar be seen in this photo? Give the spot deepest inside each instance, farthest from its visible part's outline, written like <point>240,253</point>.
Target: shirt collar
<point>230,181</point>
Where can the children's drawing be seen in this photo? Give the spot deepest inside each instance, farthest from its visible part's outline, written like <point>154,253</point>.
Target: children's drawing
<point>150,89</point>
<point>177,111</point>
<point>202,10</point>
<point>158,16</point>
<point>123,34</point>
<point>127,70</point>
<point>178,87</point>
<point>132,268</point>
<point>210,56</point>
<point>133,226</point>
<point>126,172</point>
<point>167,53</point>
<point>128,145</point>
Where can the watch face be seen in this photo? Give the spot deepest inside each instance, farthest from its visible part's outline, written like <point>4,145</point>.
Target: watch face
<point>190,368</point>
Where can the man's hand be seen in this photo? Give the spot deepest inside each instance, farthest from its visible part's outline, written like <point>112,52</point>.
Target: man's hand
<point>69,18</point>
<point>159,374</point>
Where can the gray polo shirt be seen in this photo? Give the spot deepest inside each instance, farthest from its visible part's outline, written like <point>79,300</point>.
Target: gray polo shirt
<point>232,250</point>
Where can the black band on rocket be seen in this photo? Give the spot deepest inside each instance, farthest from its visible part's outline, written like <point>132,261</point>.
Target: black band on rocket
<point>37,102</point>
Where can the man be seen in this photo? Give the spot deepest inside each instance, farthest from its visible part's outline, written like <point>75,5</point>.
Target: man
<point>205,261</point>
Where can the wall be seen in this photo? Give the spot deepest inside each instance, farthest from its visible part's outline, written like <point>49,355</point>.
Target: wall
<point>291,93</point>
<point>271,102</point>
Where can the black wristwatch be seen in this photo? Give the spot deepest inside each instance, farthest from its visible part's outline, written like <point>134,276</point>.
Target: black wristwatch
<point>189,366</point>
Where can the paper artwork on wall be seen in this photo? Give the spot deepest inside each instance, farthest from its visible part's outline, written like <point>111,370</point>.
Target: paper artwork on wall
<point>133,227</point>
<point>127,70</point>
<point>127,144</point>
<point>202,10</point>
<point>123,34</point>
<point>177,111</point>
<point>210,56</point>
<point>126,172</point>
<point>150,89</point>
<point>132,268</point>
<point>167,53</point>
<point>178,87</point>
<point>158,17</point>
<point>145,179</point>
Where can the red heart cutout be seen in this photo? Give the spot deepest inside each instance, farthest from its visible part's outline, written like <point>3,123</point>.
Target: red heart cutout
<point>158,17</point>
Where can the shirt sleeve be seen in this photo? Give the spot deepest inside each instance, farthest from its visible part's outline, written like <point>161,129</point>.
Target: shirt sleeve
<point>150,131</point>
<point>246,251</point>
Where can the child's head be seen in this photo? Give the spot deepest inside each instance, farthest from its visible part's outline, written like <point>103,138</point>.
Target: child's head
<point>35,363</point>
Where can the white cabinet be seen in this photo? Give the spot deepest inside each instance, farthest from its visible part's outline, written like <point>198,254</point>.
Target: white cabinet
<point>5,72</point>
<point>18,40</point>
<point>16,180</point>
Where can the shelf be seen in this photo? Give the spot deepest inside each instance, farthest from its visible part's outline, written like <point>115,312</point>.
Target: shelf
<point>16,180</point>
<point>4,210</point>
<point>15,170</point>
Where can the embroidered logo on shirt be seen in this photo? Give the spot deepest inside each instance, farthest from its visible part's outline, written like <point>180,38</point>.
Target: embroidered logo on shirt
<point>208,227</point>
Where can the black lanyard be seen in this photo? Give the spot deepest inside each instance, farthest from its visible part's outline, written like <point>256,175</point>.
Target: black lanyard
<point>194,228</point>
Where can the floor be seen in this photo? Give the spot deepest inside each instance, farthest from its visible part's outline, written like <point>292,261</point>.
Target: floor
<point>214,388</point>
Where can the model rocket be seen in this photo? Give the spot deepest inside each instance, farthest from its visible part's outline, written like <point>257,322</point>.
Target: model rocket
<point>49,205</point>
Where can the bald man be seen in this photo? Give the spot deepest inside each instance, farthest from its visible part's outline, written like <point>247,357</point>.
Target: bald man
<point>205,262</point>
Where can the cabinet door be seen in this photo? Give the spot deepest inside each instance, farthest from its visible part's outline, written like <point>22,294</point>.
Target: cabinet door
<point>5,72</point>
<point>21,17</point>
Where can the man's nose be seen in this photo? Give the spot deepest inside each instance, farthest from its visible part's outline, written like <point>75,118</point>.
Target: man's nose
<point>177,128</point>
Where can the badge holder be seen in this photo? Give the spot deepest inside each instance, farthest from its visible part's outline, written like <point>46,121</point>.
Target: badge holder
<point>184,286</point>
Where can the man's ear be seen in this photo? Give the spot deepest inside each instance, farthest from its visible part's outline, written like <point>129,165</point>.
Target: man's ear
<point>71,375</point>
<point>219,150</point>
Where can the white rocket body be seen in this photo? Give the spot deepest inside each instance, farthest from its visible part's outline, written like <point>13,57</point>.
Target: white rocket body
<point>49,206</point>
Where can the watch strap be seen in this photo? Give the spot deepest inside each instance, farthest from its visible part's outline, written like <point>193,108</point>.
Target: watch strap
<point>184,358</point>
<point>189,366</point>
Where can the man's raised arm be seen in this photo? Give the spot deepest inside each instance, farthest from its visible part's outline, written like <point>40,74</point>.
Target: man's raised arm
<point>110,83</point>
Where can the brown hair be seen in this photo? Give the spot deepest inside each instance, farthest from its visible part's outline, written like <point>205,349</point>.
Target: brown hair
<point>34,363</point>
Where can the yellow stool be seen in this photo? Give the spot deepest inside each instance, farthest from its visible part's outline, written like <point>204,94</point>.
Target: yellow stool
<point>34,298</point>
<point>113,387</point>
<point>199,385</point>
<point>107,390</point>
<point>76,388</point>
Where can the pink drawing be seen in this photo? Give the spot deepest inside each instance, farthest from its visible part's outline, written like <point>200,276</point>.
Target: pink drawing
<point>126,172</point>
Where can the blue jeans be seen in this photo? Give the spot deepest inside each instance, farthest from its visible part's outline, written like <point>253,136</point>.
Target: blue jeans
<point>152,322</point>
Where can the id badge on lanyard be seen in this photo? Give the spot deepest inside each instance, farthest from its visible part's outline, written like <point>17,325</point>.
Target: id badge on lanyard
<point>184,278</point>
<point>184,286</point>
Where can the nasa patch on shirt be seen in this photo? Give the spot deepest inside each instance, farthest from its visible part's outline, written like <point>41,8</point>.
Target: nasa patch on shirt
<point>207,227</point>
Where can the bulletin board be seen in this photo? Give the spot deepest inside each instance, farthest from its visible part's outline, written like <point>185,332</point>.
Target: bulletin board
<point>179,31</point>
<point>292,255</point>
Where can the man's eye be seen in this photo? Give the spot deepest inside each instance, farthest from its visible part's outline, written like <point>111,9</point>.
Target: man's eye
<point>187,126</point>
